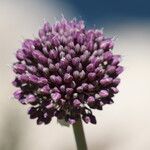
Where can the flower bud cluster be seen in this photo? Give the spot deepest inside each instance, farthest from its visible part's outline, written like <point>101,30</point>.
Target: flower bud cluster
<point>66,72</point>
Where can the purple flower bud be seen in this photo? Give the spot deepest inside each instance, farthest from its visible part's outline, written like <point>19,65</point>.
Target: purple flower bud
<point>108,55</point>
<point>71,121</point>
<point>86,119</point>
<point>76,74</point>
<point>95,61</point>
<point>69,91</point>
<point>73,84</point>
<point>63,63</point>
<point>103,93</point>
<point>90,45</point>
<point>80,38</point>
<point>90,87</point>
<point>114,89</point>
<point>76,61</point>
<point>92,119</point>
<point>20,55</point>
<point>82,74</point>
<point>18,94</point>
<point>49,106</point>
<point>111,69</point>
<point>107,44</point>
<point>33,79</point>
<point>45,89</point>
<point>76,103</point>
<point>83,58</point>
<point>19,68</point>
<point>80,89</point>
<point>72,53</point>
<point>68,78</point>
<point>55,41</point>
<point>116,59</point>
<point>47,27</point>
<point>52,68</point>
<point>106,81</point>
<point>42,81</point>
<point>53,54</point>
<point>58,80</point>
<point>90,100</point>
<point>119,70</point>
<point>56,96</point>
<point>41,33</point>
<point>90,68</point>
<point>62,88</point>
<point>27,44</point>
<point>30,98</point>
<point>52,78</point>
<point>85,86</point>
<point>68,57</point>
<point>32,69</point>
<point>69,69</point>
<point>28,51</point>
<point>91,76</point>
<point>24,78</point>
<point>116,81</point>
<point>39,56</point>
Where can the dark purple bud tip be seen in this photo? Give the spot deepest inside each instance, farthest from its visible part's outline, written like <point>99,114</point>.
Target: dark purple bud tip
<point>93,119</point>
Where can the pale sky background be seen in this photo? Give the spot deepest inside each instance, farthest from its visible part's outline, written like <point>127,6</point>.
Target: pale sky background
<point>124,125</point>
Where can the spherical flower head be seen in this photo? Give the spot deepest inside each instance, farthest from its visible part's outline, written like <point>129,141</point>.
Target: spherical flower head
<point>66,72</point>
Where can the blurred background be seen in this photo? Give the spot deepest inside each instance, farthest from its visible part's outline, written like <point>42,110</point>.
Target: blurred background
<point>124,125</point>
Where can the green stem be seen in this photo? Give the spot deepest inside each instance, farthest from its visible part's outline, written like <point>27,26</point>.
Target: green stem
<point>79,135</point>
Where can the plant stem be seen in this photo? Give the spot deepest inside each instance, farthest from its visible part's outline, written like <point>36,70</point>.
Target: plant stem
<point>79,135</point>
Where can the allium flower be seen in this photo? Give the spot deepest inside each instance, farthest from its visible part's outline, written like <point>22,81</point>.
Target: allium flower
<point>66,72</point>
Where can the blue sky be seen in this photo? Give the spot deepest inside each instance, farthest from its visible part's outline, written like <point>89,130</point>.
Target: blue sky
<point>110,10</point>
